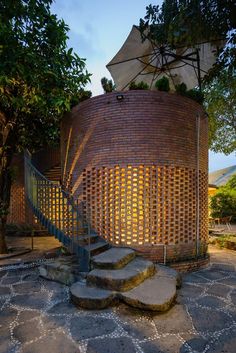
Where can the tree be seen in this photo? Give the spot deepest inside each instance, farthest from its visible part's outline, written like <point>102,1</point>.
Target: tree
<point>221,107</point>
<point>223,203</point>
<point>40,79</point>
<point>187,22</point>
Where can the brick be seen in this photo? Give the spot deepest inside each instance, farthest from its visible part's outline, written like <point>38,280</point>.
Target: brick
<point>151,130</point>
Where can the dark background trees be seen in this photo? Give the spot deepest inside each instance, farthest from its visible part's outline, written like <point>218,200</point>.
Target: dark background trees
<point>187,22</point>
<point>40,79</point>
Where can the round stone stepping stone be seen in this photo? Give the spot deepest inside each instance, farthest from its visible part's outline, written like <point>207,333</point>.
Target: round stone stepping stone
<point>156,294</point>
<point>165,271</point>
<point>91,297</point>
<point>122,279</point>
<point>113,258</point>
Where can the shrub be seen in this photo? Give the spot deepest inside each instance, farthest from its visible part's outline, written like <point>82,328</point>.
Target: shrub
<point>181,88</point>
<point>194,93</point>
<point>163,84</point>
<point>223,204</point>
<point>82,96</point>
<point>141,85</point>
<point>107,85</point>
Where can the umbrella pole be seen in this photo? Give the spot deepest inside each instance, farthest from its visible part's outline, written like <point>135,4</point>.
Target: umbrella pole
<point>198,71</point>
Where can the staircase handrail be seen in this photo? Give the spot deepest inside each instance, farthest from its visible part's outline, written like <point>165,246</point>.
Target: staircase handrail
<point>68,196</point>
<point>59,214</point>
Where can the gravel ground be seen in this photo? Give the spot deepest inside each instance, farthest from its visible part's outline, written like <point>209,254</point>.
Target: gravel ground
<point>36,316</point>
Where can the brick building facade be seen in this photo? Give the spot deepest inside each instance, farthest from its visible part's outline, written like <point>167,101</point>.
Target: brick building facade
<point>139,162</point>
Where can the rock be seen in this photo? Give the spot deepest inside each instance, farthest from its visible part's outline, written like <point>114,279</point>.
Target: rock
<point>53,342</point>
<point>63,270</point>
<point>111,345</point>
<point>156,294</point>
<point>166,323</point>
<point>164,271</point>
<point>5,291</point>
<point>208,321</point>
<point>26,332</point>
<point>123,279</point>
<point>86,327</point>
<point>113,258</point>
<point>91,297</point>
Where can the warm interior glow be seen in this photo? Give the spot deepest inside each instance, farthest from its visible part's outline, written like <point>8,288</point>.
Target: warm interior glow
<point>138,205</point>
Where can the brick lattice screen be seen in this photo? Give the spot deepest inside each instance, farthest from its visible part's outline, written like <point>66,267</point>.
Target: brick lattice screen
<point>17,210</point>
<point>138,205</point>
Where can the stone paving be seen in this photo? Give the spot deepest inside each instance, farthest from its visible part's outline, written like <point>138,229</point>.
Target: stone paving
<point>36,316</point>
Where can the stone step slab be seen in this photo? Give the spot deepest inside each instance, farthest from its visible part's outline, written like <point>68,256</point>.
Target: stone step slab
<point>165,271</point>
<point>91,297</point>
<point>156,294</point>
<point>123,279</point>
<point>114,258</point>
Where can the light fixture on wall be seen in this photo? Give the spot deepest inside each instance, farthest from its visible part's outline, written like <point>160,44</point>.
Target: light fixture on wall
<point>119,97</point>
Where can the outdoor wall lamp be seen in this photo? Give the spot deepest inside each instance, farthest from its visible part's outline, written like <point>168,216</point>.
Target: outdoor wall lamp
<point>119,97</point>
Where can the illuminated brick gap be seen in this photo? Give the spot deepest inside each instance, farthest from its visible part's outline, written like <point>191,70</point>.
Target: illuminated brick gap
<point>145,205</point>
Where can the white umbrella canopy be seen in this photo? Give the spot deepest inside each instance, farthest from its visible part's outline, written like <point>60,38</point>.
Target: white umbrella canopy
<point>139,60</point>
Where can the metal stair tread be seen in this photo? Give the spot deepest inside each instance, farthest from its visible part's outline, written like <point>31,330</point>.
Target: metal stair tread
<point>94,247</point>
<point>85,239</point>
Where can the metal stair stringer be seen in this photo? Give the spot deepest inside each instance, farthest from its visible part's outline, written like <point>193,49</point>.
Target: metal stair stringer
<point>59,214</point>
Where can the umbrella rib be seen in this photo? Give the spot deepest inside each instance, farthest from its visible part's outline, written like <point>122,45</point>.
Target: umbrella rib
<point>194,67</point>
<point>170,75</point>
<point>127,60</point>
<point>138,73</point>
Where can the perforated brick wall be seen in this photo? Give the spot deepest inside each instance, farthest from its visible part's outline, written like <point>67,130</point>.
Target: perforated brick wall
<point>19,212</point>
<point>134,164</point>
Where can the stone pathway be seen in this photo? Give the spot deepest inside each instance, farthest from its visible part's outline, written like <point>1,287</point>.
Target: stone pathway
<point>42,245</point>
<point>36,316</point>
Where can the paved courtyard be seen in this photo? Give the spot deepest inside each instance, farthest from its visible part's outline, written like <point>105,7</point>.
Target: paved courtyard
<point>36,316</point>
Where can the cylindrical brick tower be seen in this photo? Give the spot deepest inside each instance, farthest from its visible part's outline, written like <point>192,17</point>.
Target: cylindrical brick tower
<point>139,161</point>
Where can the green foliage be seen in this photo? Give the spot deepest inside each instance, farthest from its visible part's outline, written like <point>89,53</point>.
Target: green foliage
<point>39,77</point>
<point>40,80</point>
<point>181,88</point>
<point>107,85</point>
<point>186,23</point>
<point>220,105</point>
<point>231,184</point>
<point>163,84</point>
<point>223,203</point>
<point>194,94</point>
<point>141,85</point>
<point>81,96</point>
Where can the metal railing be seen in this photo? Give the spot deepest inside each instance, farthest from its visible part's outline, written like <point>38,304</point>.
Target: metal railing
<point>57,211</point>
